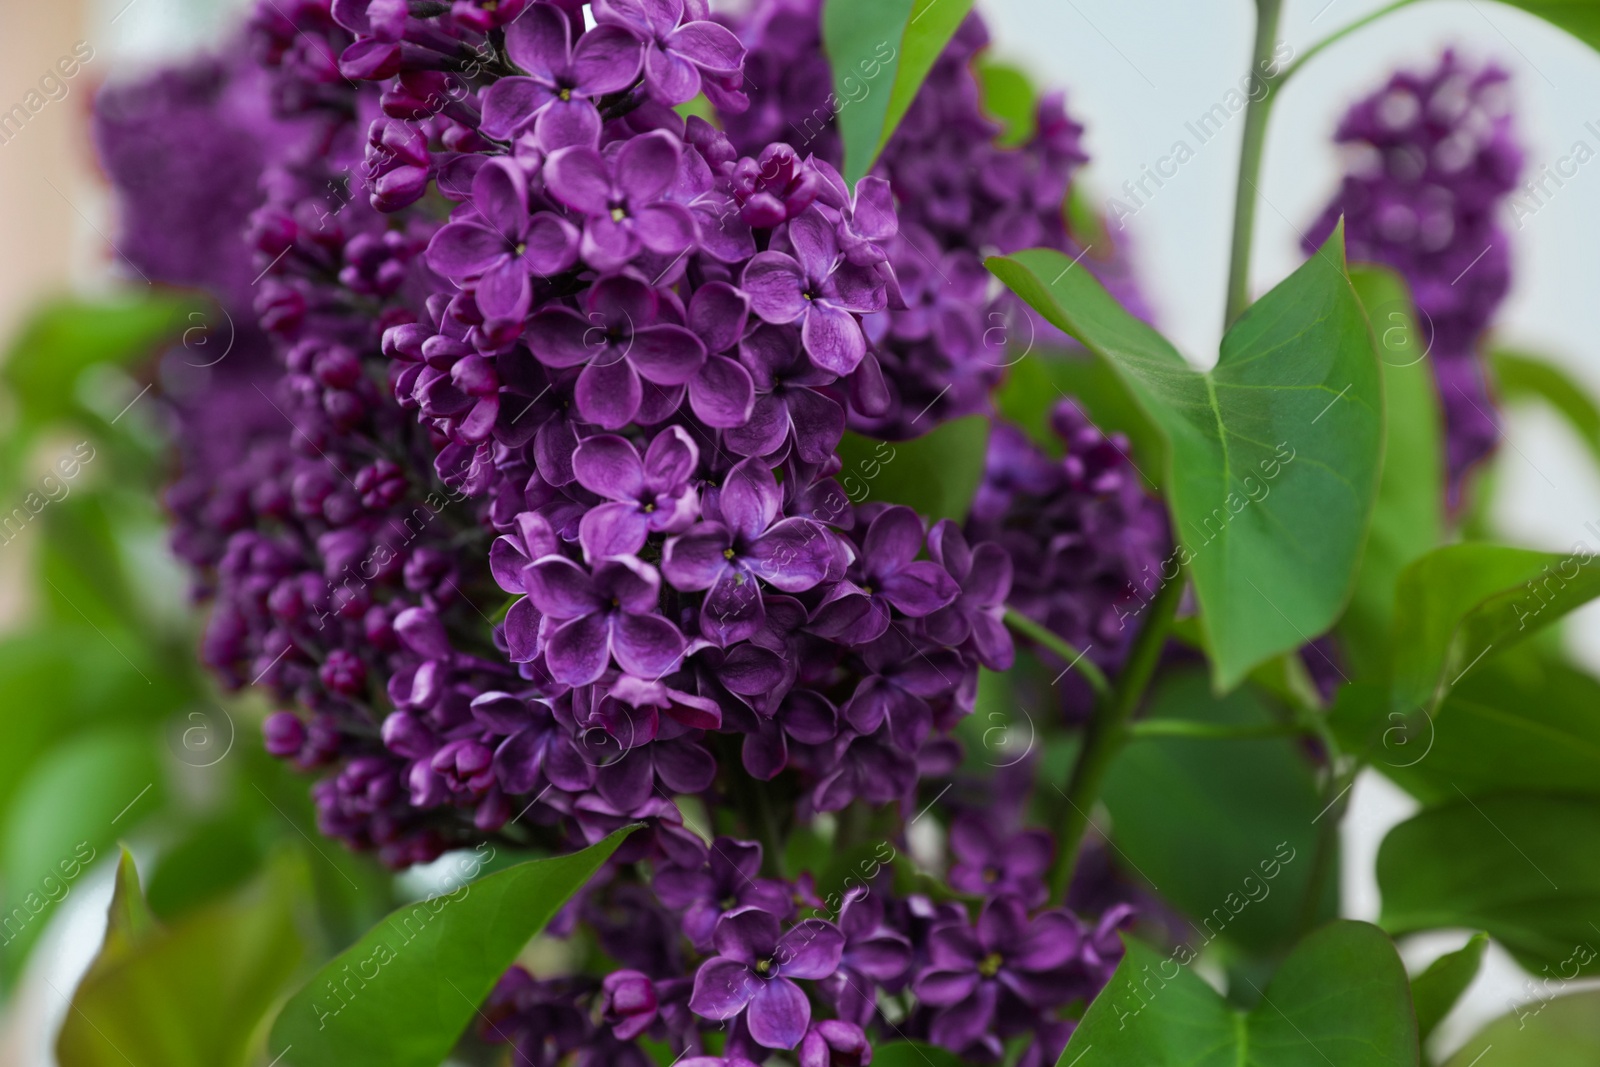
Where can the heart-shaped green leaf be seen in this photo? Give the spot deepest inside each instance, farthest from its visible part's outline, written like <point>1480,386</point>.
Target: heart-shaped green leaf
<point>881,52</point>
<point>403,994</point>
<point>1435,991</point>
<point>1461,603</point>
<point>937,473</point>
<point>1223,829</point>
<point>1523,867</point>
<point>1341,997</point>
<point>1273,455</point>
<point>1551,1032</point>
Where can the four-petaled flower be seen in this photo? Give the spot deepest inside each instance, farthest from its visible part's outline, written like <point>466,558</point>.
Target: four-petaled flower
<point>622,198</point>
<point>753,971</point>
<point>675,55</point>
<point>610,612</point>
<point>647,496</point>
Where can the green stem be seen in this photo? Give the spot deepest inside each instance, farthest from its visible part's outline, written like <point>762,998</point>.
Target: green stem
<point>1205,731</point>
<point>1336,797</point>
<point>1069,655</point>
<point>1255,137</point>
<point>1108,730</point>
<point>1338,35</point>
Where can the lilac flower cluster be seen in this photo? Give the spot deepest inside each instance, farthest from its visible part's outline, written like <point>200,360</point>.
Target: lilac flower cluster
<point>1435,162</point>
<point>959,196</point>
<point>523,497</point>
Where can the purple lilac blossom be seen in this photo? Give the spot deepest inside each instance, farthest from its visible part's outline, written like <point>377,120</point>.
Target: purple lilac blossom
<point>528,346</point>
<point>1435,159</point>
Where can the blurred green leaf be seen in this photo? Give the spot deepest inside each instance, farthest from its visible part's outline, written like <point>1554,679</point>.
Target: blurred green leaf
<point>937,473</point>
<point>404,993</point>
<point>1523,376</point>
<point>1042,379</point>
<point>210,860</point>
<point>128,920</point>
<point>1523,867</point>
<point>1408,519</point>
<point>880,53</point>
<point>1581,18</point>
<point>1008,98</point>
<point>66,337</point>
<point>82,578</point>
<point>913,1054</point>
<point>1557,1032</point>
<point>1460,603</point>
<point>192,994</point>
<point>1205,821</point>
<point>1274,455</point>
<point>68,810</point>
<point>1435,991</point>
<point>1341,997</point>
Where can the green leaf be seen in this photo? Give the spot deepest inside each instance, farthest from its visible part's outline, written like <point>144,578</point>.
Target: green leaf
<point>1520,722</point>
<point>1523,867</point>
<point>1042,379</point>
<point>1408,519</point>
<point>66,337</point>
<point>1007,97</point>
<point>192,994</point>
<point>128,920</point>
<point>880,52</point>
<point>67,811</point>
<point>1223,829</point>
<point>1523,376</point>
<point>1435,991</point>
<point>210,860</point>
<point>1341,997</point>
<point>1460,603</point>
<point>937,473</point>
<point>404,993</point>
<point>1581,18</point>
<point>1274,454</point>
<point>1555,1032</point>
<point>913,1054</point>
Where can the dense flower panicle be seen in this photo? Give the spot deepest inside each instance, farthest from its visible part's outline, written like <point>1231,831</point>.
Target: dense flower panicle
<point>1435,161</point>
<point>1087,543</point>
<point>522,494</point>
<point>959,196</point>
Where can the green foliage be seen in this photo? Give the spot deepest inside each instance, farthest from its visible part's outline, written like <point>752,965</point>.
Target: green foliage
<point>1524,867</point>
<point>1552,1032</point>
<point>405,992</point>
<point>68,810</point>
<point>881,52</point>
<point>192,994</point>
<point>1435,991</point>
<point>65,338</point>
<point>937,473</point>
<point>1523,376</point>
<point>1408,518</point>
<point>1222,828</point>
<point>1042,379</point>
<point>1581,18</point>
<point>1341,997</point>
<point>1008,98</point>
<point>912,1054</point>
<point>1273,456</point>
<point>1459,603</point>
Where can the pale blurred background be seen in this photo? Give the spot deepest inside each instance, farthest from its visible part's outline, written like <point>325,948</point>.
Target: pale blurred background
<point>1135,71</point>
